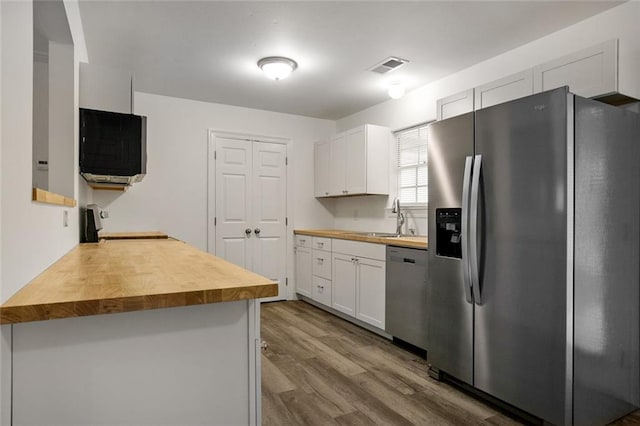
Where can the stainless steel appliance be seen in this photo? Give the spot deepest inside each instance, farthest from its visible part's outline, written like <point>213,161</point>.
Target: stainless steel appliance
<point>92,223</point>
<point>406,295</point>
<point>534,228</point>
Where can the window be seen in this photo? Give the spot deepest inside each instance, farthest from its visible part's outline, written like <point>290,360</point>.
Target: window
<point>412,165</point>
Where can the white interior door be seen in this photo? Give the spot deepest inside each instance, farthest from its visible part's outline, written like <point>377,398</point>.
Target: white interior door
<point>250,207</point>
<point>269,212</point>
<point>234,193</point>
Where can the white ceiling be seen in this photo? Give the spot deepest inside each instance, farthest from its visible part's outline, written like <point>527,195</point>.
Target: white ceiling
<point>208,50</point>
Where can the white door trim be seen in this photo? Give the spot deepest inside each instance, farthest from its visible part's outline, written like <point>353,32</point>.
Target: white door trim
<point>212,135</point>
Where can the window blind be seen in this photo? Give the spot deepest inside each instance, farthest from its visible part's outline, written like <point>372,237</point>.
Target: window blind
<point>412,165</point>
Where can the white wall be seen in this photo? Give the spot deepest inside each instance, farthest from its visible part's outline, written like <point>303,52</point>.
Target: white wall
<point>32,236</point>
<point>40,120</point>
<point>62,167</point>
<point>5,330</point>
<point>419,106</point>
<point>105,88</point>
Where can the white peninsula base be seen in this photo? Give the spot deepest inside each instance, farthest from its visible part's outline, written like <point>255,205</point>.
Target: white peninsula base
<point>193,365</point>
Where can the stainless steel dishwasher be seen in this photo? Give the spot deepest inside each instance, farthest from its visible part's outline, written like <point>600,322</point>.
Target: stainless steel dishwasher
<point>406,295</point>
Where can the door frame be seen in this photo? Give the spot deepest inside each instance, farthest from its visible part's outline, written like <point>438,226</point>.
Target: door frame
<point>212,135</point>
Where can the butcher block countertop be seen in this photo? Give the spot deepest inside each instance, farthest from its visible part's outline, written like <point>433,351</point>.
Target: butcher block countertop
<point>132,235</point>
<point>404,241</point>
<point>131,275</point>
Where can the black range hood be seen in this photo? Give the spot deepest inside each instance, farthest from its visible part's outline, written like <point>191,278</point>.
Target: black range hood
<point>113,148</point>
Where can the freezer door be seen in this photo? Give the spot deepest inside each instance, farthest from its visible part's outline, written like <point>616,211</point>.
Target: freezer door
<point>606,370</point>
<point>450,324</point>
<point>520,323</point>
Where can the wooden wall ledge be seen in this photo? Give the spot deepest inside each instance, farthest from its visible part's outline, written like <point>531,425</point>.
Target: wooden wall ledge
<point>42,196</point>
<point>132,275</point>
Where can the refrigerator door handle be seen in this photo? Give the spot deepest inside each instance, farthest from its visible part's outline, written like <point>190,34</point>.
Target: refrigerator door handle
<point>466,184</point>
<point>473,229</point>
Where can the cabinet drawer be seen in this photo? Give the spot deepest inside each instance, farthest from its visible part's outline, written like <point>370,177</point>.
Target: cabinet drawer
<point>359,249</point>
<point>303,240</point>
<point>321,291</point>
<point>321,264</point>
<point>321,243</point>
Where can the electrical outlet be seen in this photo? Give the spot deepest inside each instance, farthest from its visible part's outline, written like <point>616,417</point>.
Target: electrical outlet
<point>65,218</point>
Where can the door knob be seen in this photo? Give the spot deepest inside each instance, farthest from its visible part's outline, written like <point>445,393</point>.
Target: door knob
<point>257,231</point>
<point>247,231</point>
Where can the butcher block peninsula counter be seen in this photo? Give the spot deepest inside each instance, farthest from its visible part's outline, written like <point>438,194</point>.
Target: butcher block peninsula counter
<point>132,275</point>
<point>195,361</point>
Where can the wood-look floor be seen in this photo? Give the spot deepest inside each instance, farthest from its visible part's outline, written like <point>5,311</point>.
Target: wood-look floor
<point>321,370</point>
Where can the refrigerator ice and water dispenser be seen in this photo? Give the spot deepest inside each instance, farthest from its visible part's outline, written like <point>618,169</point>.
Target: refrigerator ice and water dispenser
<point>448,229</point>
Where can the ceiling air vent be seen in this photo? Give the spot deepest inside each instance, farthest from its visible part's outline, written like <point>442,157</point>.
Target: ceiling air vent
<point>389,64</point>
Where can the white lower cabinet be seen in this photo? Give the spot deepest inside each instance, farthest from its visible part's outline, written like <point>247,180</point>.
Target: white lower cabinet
<point>370,295</point>
<point>303,270</point>
<point>344,284</point>
<point>359,282</point>
<point>321,270</point>
<point>348,276</point>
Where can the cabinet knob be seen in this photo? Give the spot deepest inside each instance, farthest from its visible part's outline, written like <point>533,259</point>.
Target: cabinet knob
<point>264,346</point>
<point>320,260</point>
<point>247,231</point>
<point>257,231</point>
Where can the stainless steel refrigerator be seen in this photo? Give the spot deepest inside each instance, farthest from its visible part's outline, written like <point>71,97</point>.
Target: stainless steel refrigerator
<point>534,230</point>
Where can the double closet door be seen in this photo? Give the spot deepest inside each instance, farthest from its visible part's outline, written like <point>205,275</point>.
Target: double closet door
<point>250,206</point>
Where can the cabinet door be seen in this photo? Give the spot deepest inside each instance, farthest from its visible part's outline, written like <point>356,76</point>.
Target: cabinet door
<point>371,291</point>
<point>453,105</point>
<point>337,165</point>
<point>356,161</point>
<point>506,89</point>
<point>343,291</point>
<point>322,161</point>
<point>303,271</point>
<point>589,73</point>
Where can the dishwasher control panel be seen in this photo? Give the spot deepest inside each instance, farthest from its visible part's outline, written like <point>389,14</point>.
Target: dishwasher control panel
<point>448,233</point>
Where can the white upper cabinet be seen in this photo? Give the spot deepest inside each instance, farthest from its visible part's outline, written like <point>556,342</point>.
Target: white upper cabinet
<point>453,105</point>
<point>322,159</point>
<point>591,72</point>
<point>358,163</point>
<point>337,165</point>
<point>506,89</point>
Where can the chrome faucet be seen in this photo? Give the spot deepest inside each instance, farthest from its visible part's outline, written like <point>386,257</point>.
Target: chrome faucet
<point>399,217</point>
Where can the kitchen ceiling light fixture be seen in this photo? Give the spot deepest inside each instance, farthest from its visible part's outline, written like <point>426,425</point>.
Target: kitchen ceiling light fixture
<point>277,67</point>
<point>396,90</point>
